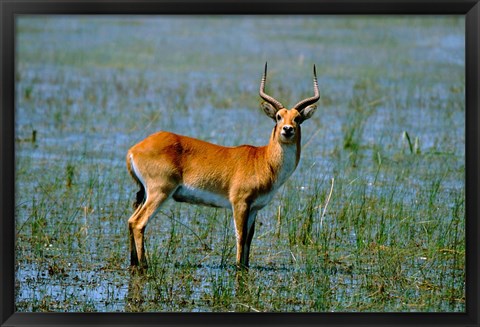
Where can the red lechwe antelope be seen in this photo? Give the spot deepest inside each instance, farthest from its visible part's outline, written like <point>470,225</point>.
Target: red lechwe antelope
<point>243,178</point>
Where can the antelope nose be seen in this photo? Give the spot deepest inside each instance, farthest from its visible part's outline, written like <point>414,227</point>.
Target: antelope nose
<point>288,129</point>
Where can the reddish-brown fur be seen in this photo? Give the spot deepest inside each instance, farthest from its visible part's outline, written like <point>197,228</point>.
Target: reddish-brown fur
<point>167,165</point>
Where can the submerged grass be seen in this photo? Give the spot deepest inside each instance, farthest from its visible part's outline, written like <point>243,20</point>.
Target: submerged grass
<point>372,220</point>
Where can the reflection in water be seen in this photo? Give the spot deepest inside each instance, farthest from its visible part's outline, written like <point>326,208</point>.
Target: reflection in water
<point>140,291</point>
<point>243,291</point>
<point>134,298</point>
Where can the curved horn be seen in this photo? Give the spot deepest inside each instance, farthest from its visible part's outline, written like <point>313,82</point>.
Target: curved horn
<point>305,103</point>
<point>265,96</point>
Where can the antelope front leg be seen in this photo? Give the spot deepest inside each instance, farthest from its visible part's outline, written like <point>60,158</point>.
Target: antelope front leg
<point>241,212</point>
<point>250,231</point>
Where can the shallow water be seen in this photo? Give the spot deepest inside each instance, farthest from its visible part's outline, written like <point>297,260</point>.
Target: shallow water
<point>99,85</point>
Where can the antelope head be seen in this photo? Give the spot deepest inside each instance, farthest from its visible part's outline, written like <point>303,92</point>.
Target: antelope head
<point>288,121</point>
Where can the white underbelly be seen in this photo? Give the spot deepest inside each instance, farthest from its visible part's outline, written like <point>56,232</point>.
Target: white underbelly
<point>262,200</point>
<point>188,194</point>
<point>185,193</point>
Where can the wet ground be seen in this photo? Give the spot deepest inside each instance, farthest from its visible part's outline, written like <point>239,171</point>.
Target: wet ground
<point>389,131</point>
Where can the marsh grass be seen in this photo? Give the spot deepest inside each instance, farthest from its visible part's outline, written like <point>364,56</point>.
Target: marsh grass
<point>373,219</point>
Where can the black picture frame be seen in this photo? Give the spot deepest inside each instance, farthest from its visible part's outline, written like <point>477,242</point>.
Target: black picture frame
<point>11,8</point>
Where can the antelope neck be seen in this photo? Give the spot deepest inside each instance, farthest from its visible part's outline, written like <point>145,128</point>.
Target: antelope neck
<point>283,158</point>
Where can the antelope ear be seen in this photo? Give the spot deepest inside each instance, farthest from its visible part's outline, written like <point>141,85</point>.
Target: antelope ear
<point>269,110</point>
<point>308,112</point>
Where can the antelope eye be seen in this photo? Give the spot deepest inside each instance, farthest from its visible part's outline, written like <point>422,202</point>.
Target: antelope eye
<point>297,120</point>
<point>279,117</point>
